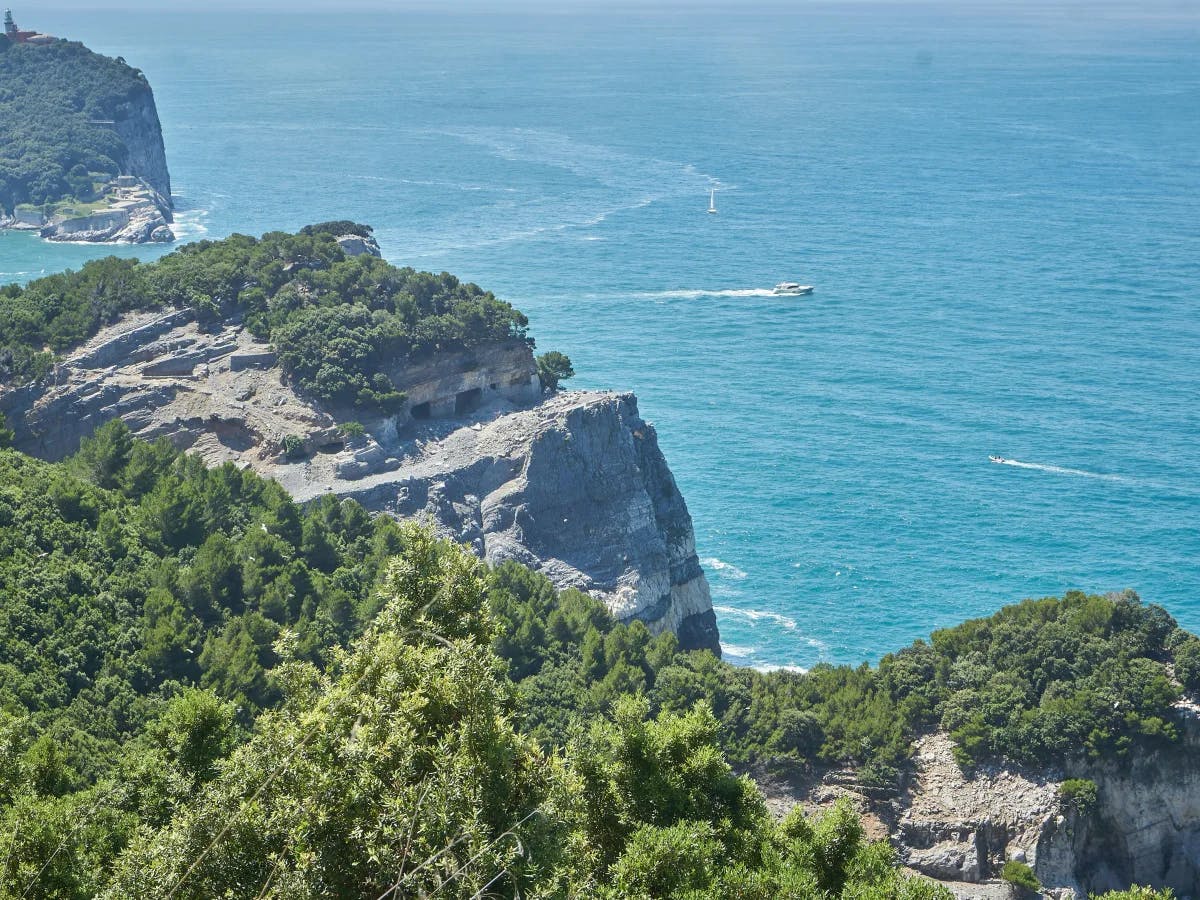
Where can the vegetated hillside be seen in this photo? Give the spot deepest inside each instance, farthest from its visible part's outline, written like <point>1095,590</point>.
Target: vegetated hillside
<point>146,748</point>
<point>204,686</point>
<point>66,113</point>
<point>336,320</point>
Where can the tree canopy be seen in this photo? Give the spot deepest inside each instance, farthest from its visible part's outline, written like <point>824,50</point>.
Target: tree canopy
<point>207,690</point>
<point>339,323</point>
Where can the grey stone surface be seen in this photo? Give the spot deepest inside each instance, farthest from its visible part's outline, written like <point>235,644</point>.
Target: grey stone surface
<point>573,485</point>
<point>353,245</point>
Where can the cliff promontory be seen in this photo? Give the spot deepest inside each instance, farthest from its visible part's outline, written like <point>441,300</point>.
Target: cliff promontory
<point>573,484</point>
<point>81,148</point>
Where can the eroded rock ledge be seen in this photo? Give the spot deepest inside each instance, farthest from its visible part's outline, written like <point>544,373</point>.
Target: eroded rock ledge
<point>573,485</point>
<point>961,827</point>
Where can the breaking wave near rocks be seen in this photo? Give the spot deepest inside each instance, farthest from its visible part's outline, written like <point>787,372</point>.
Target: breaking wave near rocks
<point>722,568</point>
<point>757,615</point>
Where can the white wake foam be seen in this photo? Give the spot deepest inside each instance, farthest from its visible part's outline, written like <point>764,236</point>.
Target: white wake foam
<point>700,293</point>
<point>736,651</point>
<point>189,223</point>
<point>1060,470</point>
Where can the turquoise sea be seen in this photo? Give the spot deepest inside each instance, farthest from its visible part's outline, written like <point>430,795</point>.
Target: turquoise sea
<point>1000,211</point>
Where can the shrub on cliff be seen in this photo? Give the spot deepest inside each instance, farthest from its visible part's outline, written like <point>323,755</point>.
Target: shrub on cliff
<point>339,228</point>
<point>1019,874</point>
<point>552,368</point>
<point>1079,795</point>
<point>1137,892</point>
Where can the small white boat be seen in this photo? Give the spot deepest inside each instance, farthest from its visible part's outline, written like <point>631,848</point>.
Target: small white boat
<point>712,201</point>
<point>792,287</point>
<point>997,459</point>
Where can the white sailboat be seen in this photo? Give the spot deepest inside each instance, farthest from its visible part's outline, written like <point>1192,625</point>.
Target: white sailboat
<point>712,201</point>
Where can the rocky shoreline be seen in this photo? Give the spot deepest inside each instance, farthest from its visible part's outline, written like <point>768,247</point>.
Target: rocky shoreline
<point>134,214</point>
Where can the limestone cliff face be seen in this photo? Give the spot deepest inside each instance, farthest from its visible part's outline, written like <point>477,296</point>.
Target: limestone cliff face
<point>573,485</point>
<point>1145,828</point>
<point>138,127</point>
<point>960,828</point>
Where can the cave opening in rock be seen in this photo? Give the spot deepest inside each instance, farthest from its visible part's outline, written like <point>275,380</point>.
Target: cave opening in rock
<point>468,401</point>
<point>421,411</point>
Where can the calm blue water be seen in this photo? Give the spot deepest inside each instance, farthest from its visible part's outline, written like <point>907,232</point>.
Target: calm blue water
<point>1000,215</point>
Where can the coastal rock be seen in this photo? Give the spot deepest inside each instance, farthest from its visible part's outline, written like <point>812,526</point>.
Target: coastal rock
<point>137,125</point>
<point>355,245</point>
<point>135,215</point>
<point>960,828</point>
<point>573,485</point>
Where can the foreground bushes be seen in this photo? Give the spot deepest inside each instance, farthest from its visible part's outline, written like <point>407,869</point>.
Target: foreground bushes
<point>205,688</point>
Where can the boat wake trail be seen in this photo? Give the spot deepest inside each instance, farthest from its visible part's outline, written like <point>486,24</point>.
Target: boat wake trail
<point>1059,470</point>
<point>700,294</point>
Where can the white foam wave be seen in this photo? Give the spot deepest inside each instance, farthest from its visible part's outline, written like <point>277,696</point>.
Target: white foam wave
<point>768,668</point>
<point>1060,470</point>
<point>732,652</point>
<point>190,224</point>
<point>729,570</point>
<point>757,615</point>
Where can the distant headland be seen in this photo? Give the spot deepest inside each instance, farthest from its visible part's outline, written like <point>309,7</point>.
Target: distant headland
<point>84,157</point>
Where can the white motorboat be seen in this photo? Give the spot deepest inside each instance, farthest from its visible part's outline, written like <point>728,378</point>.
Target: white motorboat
<point>792,287</point>
<point>997,459</point>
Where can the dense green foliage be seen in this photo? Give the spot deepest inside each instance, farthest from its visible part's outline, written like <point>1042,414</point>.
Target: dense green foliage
<point>339,323</point>
<point>1019,874</point>
<point>205,686</point>
<point>186,712</point>
<point>133,572</point>
<point>1044,681</point>
<point>50,96</point>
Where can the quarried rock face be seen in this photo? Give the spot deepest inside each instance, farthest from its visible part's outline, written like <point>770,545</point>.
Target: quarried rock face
<point>1144,830</point>
<point>573,485</point>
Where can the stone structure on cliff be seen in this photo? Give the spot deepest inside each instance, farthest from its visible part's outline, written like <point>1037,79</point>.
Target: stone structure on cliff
<point>134,213</point>
<point>573,485</point>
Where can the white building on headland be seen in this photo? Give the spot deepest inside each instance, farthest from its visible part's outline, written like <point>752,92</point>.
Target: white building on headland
<point>17,36</point>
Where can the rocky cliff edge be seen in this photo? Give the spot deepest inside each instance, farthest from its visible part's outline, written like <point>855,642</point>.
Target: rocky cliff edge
<point>573,485</point>
<point>960,827</point>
